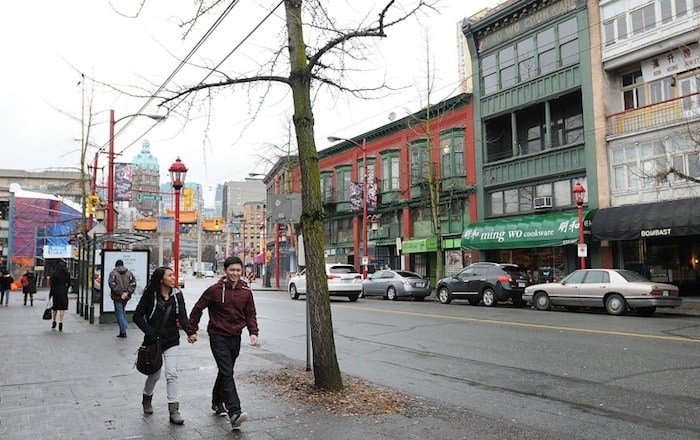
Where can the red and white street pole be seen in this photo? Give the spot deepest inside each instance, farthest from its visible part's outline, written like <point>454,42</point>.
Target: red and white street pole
<point>579,192</point>
<point>364,208</point>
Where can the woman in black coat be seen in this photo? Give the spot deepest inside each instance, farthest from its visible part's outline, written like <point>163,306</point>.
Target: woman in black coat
<point>161,299</point>
<point>60,283</point>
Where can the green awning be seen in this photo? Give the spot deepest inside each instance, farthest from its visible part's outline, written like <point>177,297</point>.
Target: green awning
<point>554,229</point>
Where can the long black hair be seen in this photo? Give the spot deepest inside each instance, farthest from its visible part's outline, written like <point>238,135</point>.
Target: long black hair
<point>153,285</point>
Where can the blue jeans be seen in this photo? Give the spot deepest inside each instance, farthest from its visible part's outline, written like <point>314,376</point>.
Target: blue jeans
<point>121,316</point>
<point>225,350</point>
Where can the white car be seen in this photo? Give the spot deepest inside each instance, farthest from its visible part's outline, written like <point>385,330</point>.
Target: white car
<point>343,280</point>
<point>209,274</point>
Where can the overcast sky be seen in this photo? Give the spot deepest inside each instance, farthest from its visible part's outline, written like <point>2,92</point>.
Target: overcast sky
<point>48,45</point>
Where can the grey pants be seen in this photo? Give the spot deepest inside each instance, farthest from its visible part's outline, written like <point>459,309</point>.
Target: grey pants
<point>170,367</point>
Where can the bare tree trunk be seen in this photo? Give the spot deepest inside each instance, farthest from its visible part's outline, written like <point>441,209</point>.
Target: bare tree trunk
<point>325,361</point>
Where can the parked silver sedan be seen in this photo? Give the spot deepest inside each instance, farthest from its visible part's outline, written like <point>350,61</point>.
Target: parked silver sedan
<point>393,284</point>
<point>616,290</point>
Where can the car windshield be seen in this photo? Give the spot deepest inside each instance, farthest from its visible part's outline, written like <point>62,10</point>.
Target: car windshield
<point>342,269</point>
<point>406,274</point>
<point>632,277</point>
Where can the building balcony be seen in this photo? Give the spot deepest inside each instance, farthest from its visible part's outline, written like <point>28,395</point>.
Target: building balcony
<point>654,116</point>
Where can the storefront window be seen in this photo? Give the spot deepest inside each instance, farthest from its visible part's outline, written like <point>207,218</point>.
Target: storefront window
<point>544,265</point>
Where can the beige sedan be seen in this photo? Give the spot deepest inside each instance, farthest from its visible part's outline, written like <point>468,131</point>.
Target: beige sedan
<point>616,290</point>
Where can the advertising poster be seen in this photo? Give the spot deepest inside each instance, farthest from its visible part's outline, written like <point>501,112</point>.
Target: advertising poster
<point>137,263</point>
<point>122,182</point>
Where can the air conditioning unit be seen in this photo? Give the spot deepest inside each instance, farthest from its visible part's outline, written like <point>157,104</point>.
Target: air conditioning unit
<point>543,202</point>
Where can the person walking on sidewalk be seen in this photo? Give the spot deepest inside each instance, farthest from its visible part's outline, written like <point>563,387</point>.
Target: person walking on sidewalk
<point>60,282</point>
<point>162,306</point>
<point>28,282</point>
<point>6,281</point>
<point>122,285</point>
<point>231,308</point>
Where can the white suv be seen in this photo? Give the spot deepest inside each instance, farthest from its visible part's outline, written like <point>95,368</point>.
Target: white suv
<point>343,280</point>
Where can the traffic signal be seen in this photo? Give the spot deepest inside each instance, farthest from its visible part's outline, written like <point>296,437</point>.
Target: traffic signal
<point>216,224</point>
<point>93,203</point>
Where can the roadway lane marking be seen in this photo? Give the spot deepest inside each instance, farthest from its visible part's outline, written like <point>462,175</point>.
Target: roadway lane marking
<point>522,324</point>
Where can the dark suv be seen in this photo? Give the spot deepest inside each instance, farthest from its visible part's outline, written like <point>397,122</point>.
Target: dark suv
<point>487,282</point>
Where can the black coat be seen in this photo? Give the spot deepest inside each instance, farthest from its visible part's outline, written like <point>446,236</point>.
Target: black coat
<point>149,313</point>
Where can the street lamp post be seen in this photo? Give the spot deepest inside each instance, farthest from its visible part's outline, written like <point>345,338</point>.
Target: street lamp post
<point>579,191</point>
<point>363,147</point>
<point>178,171</point>
<point>110,165</point>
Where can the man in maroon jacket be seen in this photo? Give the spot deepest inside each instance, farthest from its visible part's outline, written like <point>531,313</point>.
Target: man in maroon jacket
<point>231,308</point>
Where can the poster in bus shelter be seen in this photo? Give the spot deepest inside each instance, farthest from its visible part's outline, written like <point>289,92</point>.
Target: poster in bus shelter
<point>137,262</point>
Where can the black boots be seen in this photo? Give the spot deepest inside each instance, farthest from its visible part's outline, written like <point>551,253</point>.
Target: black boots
<point>121,335</point>
<point>146,402</point>
<point>53,326</point>
<point>60,326</point>
<point>175,417</point>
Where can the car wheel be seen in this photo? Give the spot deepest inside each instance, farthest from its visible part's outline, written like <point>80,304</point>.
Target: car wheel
<point>488,296</point>
<point>293,292</point>
<point>542,301</point>
<point>646,311</point>
<point>391,293</point>
<point>353,298</point>
<point>444,295</point>
<point>615,304</point>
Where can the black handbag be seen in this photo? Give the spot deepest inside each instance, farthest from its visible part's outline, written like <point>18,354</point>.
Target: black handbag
<point>47,311</point>
<point>149,358</point>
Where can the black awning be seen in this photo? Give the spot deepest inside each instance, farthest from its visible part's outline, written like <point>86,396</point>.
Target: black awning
<point>673,218</point>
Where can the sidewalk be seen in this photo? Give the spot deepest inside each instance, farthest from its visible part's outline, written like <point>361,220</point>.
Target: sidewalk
<point>80,383</point>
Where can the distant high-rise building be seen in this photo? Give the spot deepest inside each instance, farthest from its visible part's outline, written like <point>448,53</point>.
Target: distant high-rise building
<point>145,182</point>
<point>236,194</point>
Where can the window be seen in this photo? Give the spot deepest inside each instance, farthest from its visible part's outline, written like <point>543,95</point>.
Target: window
<point>633,90</point>
<point>488,67</point>
<point>419,162</point>
<point>681,8</point>
<point>609,32</point>
<point>643,19</point>
<point>520,200</point>
<point>567,120</point>
<point>547,57</point>
<point>370,171</point>
<point>622,28</point>
<point>666,12</point>
<point>344,179</point>
<point>452,152</point>
<point>390,173</point>
<point>597,277</point>
<point>660,90</point>
<point>506,60</point>
<point>498,138</point>
<point>530,123</point>
<point>526,59</point>
<point>568,41</point>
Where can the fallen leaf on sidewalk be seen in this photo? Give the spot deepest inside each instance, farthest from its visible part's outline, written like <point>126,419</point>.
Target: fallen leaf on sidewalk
<point>356,398</point>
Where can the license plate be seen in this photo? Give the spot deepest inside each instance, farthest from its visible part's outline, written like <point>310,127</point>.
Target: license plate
<point>667,293</point>
<point>420,284</point>
<point>521,283</point>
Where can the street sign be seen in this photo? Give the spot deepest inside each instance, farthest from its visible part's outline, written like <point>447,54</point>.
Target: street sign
<point>150,197</point>
<point>583,250</point>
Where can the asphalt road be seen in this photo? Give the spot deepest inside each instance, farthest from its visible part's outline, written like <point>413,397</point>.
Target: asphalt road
<point>573,375</point>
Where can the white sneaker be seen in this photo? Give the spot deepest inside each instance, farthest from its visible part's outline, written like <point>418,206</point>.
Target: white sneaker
<point>238,419</point>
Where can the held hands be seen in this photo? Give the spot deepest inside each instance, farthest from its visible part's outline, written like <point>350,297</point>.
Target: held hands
<point>192,339</point>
